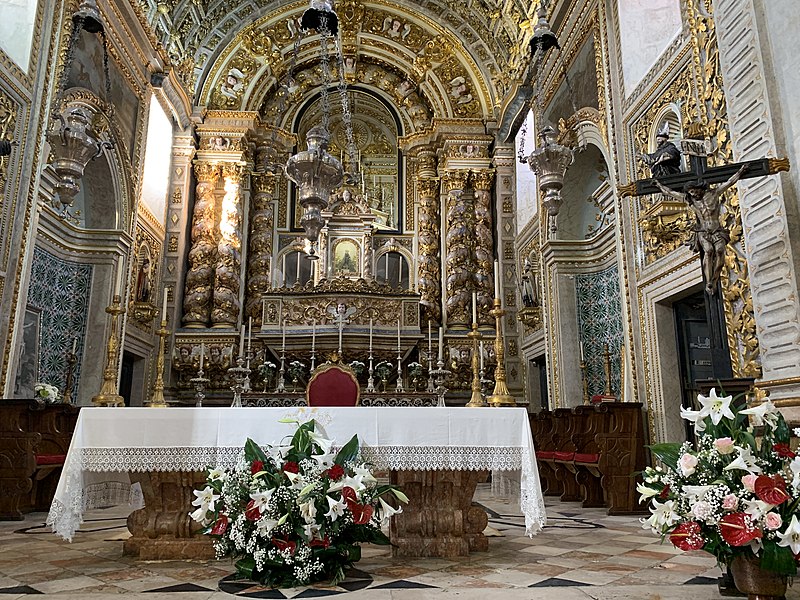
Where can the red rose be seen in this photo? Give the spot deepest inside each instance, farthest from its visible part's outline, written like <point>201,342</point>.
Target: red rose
<point>252,512</point>
<point>687,536</point>
<point>771,489</point>
<point>323,543</point>
<point>336,472</point>
<point>783,451</point>
<point>664,493</point>
<point>738,530</point>
<point>284,544</point>
<point>221,526</point>
<point>290,467</point>
<point>256,467</point>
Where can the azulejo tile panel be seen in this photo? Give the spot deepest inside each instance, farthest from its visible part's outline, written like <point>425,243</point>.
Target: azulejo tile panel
<point>59,289</point>
<point>599,310</point>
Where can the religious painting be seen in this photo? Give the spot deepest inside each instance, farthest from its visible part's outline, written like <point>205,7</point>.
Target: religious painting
<point>345,258</point>
<point>582,89</point>
<point>28,363</point>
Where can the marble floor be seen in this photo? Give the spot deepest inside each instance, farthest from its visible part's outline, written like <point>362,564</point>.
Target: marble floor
<point>581,554</point>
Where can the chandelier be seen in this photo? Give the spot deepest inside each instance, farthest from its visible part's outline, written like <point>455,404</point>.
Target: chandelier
<point>314,171</point>
<point>549,160</point>
<point>74,139</point>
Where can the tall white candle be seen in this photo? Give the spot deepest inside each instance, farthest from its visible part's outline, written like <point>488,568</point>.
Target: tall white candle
<point>496,279</point>
<point>481,351</point>
<point>581,347</point>
<point>429,338</point>
<point>474,307</point>
<point>398,335</point>
<point>370,335</point>
<point>313,334</point>
<point>441,342</point>
<point>74,344</point>
<point>283,336</point>
<point>202,354</point>
<point>249,333</point>
<point>241,342</point>
<point>164,307</point>
<point>120,277</point>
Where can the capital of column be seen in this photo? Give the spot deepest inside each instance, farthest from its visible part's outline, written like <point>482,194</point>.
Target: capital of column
<point>263,183</point>
<point>233,172</point>
<point>482,180</point>
<point>428,187</point>
<point>206,172</point>
<point>455,180</point>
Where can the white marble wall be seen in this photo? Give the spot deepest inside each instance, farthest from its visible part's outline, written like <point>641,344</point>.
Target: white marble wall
<point>17,19</point>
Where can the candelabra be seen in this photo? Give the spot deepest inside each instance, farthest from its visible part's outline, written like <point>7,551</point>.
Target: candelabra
<point>484,383</point>
<point>476,399</point>
<point>370,379</point>
<point>157,399</point>
<point>500,396</point>
<point>241,381</point>
<point>108,395</point>
<point>200,382</point>
<point>399,388</point>
<point>585,383</point>
<point>313,360</point>
<point>279,385</point>
<point>440,373</point>
<point>69,384</point>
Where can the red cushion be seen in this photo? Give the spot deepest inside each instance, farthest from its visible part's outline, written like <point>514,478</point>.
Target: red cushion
<point>587,458</point>
<point>50,459</point>
<point>545,454</point>
<point>564,455</point>
<point>333,387</point>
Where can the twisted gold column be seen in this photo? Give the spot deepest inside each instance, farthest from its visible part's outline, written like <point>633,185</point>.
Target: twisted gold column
<point>228,270</point>
<point>429,267</point>
<point>484,243</point>
<point>458,283</point>
<point>200,276</point>
<point>259,259</point>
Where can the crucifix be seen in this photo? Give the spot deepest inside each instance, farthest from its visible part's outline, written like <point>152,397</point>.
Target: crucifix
<point>710,238</point>
<point>341,314</point>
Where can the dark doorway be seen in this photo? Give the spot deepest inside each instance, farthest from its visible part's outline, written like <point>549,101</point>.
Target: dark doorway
<point>126,376</point>
<point>537,380</point>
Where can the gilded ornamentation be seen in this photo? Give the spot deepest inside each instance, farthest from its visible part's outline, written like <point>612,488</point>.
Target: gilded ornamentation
<point>428,264</point>
<point>229,249</point>
<point>484,243</point>
<point>665,227</point>
<point>368,255</point>
<point>8,123</point>
<point>202,255</point>
<point>458,241</point>
<point>262,223</point>
<point>531,318</point>
<point>177,196</point>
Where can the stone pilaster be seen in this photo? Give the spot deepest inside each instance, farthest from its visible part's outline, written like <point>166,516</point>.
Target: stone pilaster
<point>458,251</point>
<point>228,268</point>
<point>262,224</point>
<point>483,274</point>
<point>203,253</point>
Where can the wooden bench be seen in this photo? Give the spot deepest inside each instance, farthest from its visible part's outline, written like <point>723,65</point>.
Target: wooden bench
<point>34,439</point>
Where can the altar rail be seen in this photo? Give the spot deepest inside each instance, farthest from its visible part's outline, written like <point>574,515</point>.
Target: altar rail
<point>590,454</point>
<point>289,399</point>
<point>34,439</point>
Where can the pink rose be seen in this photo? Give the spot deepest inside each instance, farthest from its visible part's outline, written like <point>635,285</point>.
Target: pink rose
<point>688,464</point>
<point>724,445</point>
<point>730,502</point>
<point>773,521</point>
<point>749,482</point>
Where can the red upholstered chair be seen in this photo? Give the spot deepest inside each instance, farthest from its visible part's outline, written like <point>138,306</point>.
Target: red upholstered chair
<point>333,385</point>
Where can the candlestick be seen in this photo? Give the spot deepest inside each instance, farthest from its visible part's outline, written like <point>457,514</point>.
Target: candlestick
<point>496,279</point>
<point>481,352</point>
<point>580,344</point>
<point>370,335</point>
<point>313,335</point>
<point>500,396</point>
<point>157,399</point>
<point>429,338</point>
<point>283,336</point>
<point>202,355</point>
<point>398,335</point>
<point>441,343</point>
<point>476,399</point>
<point>74,344</point>
<point>241,342</point>
<point>249,334</point>
<point>108,395</point>
<point>474,307</point>
<point>118,282</point>
<point>164,306</point>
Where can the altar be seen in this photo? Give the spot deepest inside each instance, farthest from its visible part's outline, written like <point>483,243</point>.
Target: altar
<point>436,455</point>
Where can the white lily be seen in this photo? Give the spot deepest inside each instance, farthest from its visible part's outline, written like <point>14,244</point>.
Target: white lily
<point>764,412</point>
<point>265,525</point>
<point>308,510</point>
<point>217,474</point>
<point>744,462</point>
<point>278,453</point>
<point>387,512</point>
<point>795,467</point>
<point>791,537</point>
<point>757,508</point>
<point>646,492</point>
<point>696,493</point>
<point>311,530</point>
<point>366,475</point>
<point>353,482</point>
<point>325,461</point>
<point>715,407</point>
<point>694,417</point>
<point>336,508</point>
<point>205,498</point>
<point>199,515</point>
<point>662,517</point>
<point>261,500</point>
<point>323,442</point>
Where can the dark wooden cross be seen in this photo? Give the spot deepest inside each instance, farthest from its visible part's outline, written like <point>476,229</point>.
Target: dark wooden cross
<point>699,169</point>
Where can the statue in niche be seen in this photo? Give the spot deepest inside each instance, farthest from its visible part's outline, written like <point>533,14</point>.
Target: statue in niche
<point>530,291</point>
<point>143,281</point>
<point>666,160</point>
<point>709,238</point>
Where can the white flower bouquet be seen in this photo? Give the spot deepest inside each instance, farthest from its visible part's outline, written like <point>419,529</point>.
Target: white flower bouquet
<point>47,392</point>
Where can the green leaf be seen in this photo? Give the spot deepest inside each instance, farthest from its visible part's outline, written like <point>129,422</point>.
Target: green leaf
<point>245,567</point>
<point>348,452</point>
<point>778,559</point>
<point>668,453</point>
<point>782,433</point>
<point>253,451</point>
<point>751,441</point>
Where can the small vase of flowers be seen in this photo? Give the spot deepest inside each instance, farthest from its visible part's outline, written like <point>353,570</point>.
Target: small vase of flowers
<point>416,372</point>
<point>296,370</point>
<point>383,369</point>
<point>295,514</point>
<point>267,370</point>
<point>47,393</point>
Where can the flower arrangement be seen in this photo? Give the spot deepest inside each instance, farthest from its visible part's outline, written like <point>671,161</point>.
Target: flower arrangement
<point>266,369</point>
<point>293,514</point>
<point>48,393</point>
<point>415,370</point>
<point>296,369</point>
<point>732,495</point>
<point>383,369</point>
<point>357,366</point>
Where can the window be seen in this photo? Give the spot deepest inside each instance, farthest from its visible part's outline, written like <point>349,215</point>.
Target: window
<point>296,268</point>
<point>393,270</point>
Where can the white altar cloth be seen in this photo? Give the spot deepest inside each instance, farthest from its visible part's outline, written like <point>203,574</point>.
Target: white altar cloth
<point>108,443</point>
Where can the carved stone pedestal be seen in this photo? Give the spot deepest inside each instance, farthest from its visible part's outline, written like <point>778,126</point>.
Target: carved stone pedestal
<point>440,519</point>
<point>162,529</point>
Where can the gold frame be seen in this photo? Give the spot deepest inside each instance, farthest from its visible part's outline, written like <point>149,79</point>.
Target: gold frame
<point>327,367</point>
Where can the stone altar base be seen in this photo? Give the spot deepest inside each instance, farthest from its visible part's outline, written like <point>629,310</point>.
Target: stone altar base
<point>440,519</point>
<point>162,530</point>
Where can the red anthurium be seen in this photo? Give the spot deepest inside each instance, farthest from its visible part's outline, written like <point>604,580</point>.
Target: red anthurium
<point>290,467</point>
<point>738,530</point>
<point>221,526</point>
<point>323,543</point>
<point>284,544</point>
<point>783,451</point>
<point>664,493</point>
<point>252,512</point>
<point>362,513</point>
<point>256,467</point>
<point>771,489</point>
<point>688,536</point>
<point>349,494</point>
<point>336,472</point>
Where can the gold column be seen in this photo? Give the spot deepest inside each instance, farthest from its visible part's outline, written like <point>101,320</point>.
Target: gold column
<point>500,396</point>
<point>458,282</point>
<point>429,238</point>
<point>108,395</point>
<point>200,276</point>
<point>228,270</point>
<point>259,259</point>
<point>484,243</point>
